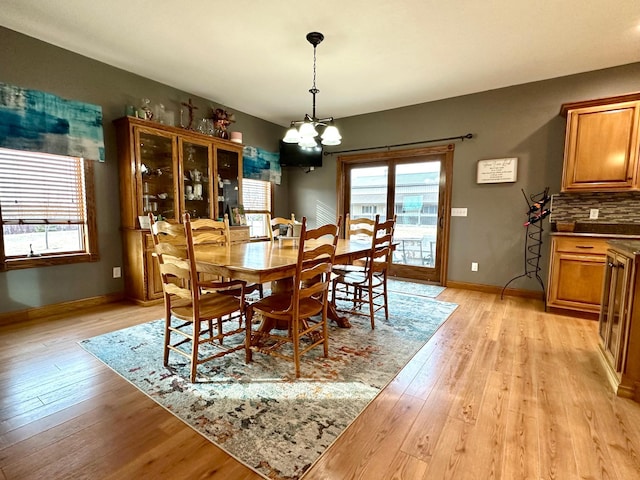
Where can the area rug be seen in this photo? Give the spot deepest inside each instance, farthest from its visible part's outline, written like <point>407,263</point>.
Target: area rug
<point>413,288</point>
<point>259,413</point>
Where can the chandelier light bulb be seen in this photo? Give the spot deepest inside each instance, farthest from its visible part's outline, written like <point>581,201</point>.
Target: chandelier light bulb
<point>307,130</point>
<point>292,136</point>
<point>331,136</point>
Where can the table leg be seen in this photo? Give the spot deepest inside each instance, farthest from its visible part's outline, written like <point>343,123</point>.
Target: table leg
<point>332,314</point>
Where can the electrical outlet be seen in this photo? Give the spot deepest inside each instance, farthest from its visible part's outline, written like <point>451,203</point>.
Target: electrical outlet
<point>474,266</point>
<point>458,212</point>
<point>117,272</point>
<point>593,214</point>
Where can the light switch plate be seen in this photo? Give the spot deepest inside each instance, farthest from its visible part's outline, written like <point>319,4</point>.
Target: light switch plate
<point>458,212</point>
<point>593,214</point>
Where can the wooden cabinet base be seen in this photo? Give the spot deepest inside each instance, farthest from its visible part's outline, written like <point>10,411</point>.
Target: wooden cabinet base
<point>621,388</point>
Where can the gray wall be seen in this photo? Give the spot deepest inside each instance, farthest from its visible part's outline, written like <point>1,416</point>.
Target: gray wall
<point>30,63</point>
<point>521,121</point>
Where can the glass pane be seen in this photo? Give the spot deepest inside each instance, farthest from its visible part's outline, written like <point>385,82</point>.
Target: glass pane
<point>618,311</point>
<point>227,181</point>
<point>416,206</point>
<point>608,281</point>
<point>156,166</point>
<point>196,179</point>
<point>35,240</point>
<point>368,192</point>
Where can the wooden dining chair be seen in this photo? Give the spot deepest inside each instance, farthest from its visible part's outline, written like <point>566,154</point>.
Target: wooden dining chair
<point>294,322</point>
<point>356,228</point>
<point>368,286</point>
<point>206,231</point>
<point>190,302</point>
<point>275,223</point>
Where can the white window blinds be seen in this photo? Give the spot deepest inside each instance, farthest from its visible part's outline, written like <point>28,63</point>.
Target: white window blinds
<point>38,188</point>
<point>256,196</point>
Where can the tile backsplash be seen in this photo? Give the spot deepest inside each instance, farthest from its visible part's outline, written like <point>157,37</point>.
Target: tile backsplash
<point>613,207</point>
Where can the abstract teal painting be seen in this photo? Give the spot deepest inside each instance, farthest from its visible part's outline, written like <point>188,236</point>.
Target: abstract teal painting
<point>42,122</point>
<point>258,164</point>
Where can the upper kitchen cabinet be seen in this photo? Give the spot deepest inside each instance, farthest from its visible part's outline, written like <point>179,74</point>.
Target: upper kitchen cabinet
<point>601,145</point>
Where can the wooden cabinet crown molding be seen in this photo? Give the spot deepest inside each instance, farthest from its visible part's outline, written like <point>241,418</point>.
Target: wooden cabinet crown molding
<point>629,97</point>
<point>182,132</point>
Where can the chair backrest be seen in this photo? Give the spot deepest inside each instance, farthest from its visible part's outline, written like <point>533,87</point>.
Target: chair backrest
<point>210,232</point>
<point>381,246</point>
<point>316,253</point>
<point>359,227</point>
<point>175,257</point>
<point>274,224</point>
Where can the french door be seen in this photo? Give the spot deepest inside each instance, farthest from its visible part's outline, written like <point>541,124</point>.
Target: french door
<point>413,186</point>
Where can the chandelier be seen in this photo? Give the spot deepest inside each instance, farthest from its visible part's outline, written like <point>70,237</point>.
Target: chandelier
<point>304,132</point>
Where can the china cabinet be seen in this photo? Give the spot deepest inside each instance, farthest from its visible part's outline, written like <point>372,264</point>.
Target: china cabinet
<point>168,171</point>
<point>601,144</point>
<point>619,322</point>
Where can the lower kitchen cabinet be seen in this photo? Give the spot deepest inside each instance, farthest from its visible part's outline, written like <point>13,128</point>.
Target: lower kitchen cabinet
<point>576,273</point>
<point>619,322</point>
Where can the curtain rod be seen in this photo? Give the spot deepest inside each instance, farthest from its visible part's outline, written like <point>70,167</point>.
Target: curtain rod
<point>459,137</point>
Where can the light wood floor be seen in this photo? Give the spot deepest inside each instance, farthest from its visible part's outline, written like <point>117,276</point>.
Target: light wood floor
<point>503,390</point>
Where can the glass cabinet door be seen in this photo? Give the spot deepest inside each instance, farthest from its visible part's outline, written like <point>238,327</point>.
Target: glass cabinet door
<point>613,317</point>
<point>196,179</point>
<point>228,163</point>
<point>156,167</point>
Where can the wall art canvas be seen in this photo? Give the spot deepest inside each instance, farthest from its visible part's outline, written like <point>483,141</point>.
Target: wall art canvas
<point>42,122</point>
<point>259,164</point>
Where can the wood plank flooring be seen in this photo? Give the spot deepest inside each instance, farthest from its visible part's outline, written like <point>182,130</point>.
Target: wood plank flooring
<point>502,391</point>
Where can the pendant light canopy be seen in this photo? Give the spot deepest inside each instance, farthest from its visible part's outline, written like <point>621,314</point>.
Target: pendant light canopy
<point>304,132</point>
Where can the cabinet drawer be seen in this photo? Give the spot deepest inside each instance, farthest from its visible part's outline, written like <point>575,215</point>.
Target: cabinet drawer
<point>581,245</point>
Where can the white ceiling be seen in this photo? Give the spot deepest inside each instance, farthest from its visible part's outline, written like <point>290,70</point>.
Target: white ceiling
<point>252,56</point>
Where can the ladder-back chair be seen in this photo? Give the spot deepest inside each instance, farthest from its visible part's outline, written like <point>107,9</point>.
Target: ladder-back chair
<point>301,313</point>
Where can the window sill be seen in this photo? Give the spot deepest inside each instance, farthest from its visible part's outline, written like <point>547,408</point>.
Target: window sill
<point>48,260</point>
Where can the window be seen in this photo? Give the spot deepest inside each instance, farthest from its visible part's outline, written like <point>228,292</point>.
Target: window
<point>47,210</point>
<point>369,209</point>
<point>256,197</point>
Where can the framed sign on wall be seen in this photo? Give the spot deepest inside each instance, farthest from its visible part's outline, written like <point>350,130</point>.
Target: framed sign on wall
<point>497,170</point>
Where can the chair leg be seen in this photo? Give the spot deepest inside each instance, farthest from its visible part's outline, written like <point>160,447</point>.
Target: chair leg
<point>248,317</point>
<point>195,343</point>
<point>167,334</point>
<point>386,303</point>
<point>371,309</point>
<point>325,331</point>
<point>295,335</point>
<point>220,330</point>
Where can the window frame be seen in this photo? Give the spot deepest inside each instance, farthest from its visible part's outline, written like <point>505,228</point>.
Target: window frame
<point>90,232</point>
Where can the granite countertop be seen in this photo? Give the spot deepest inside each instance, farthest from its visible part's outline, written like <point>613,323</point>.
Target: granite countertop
<point>597,235</point>
<point>608,229</point>
<point>630,247</point>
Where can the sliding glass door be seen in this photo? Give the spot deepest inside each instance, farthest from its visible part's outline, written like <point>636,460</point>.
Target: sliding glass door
<point>412,187</point>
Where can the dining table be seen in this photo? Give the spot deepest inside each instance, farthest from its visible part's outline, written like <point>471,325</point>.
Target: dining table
<point>274,262</point>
